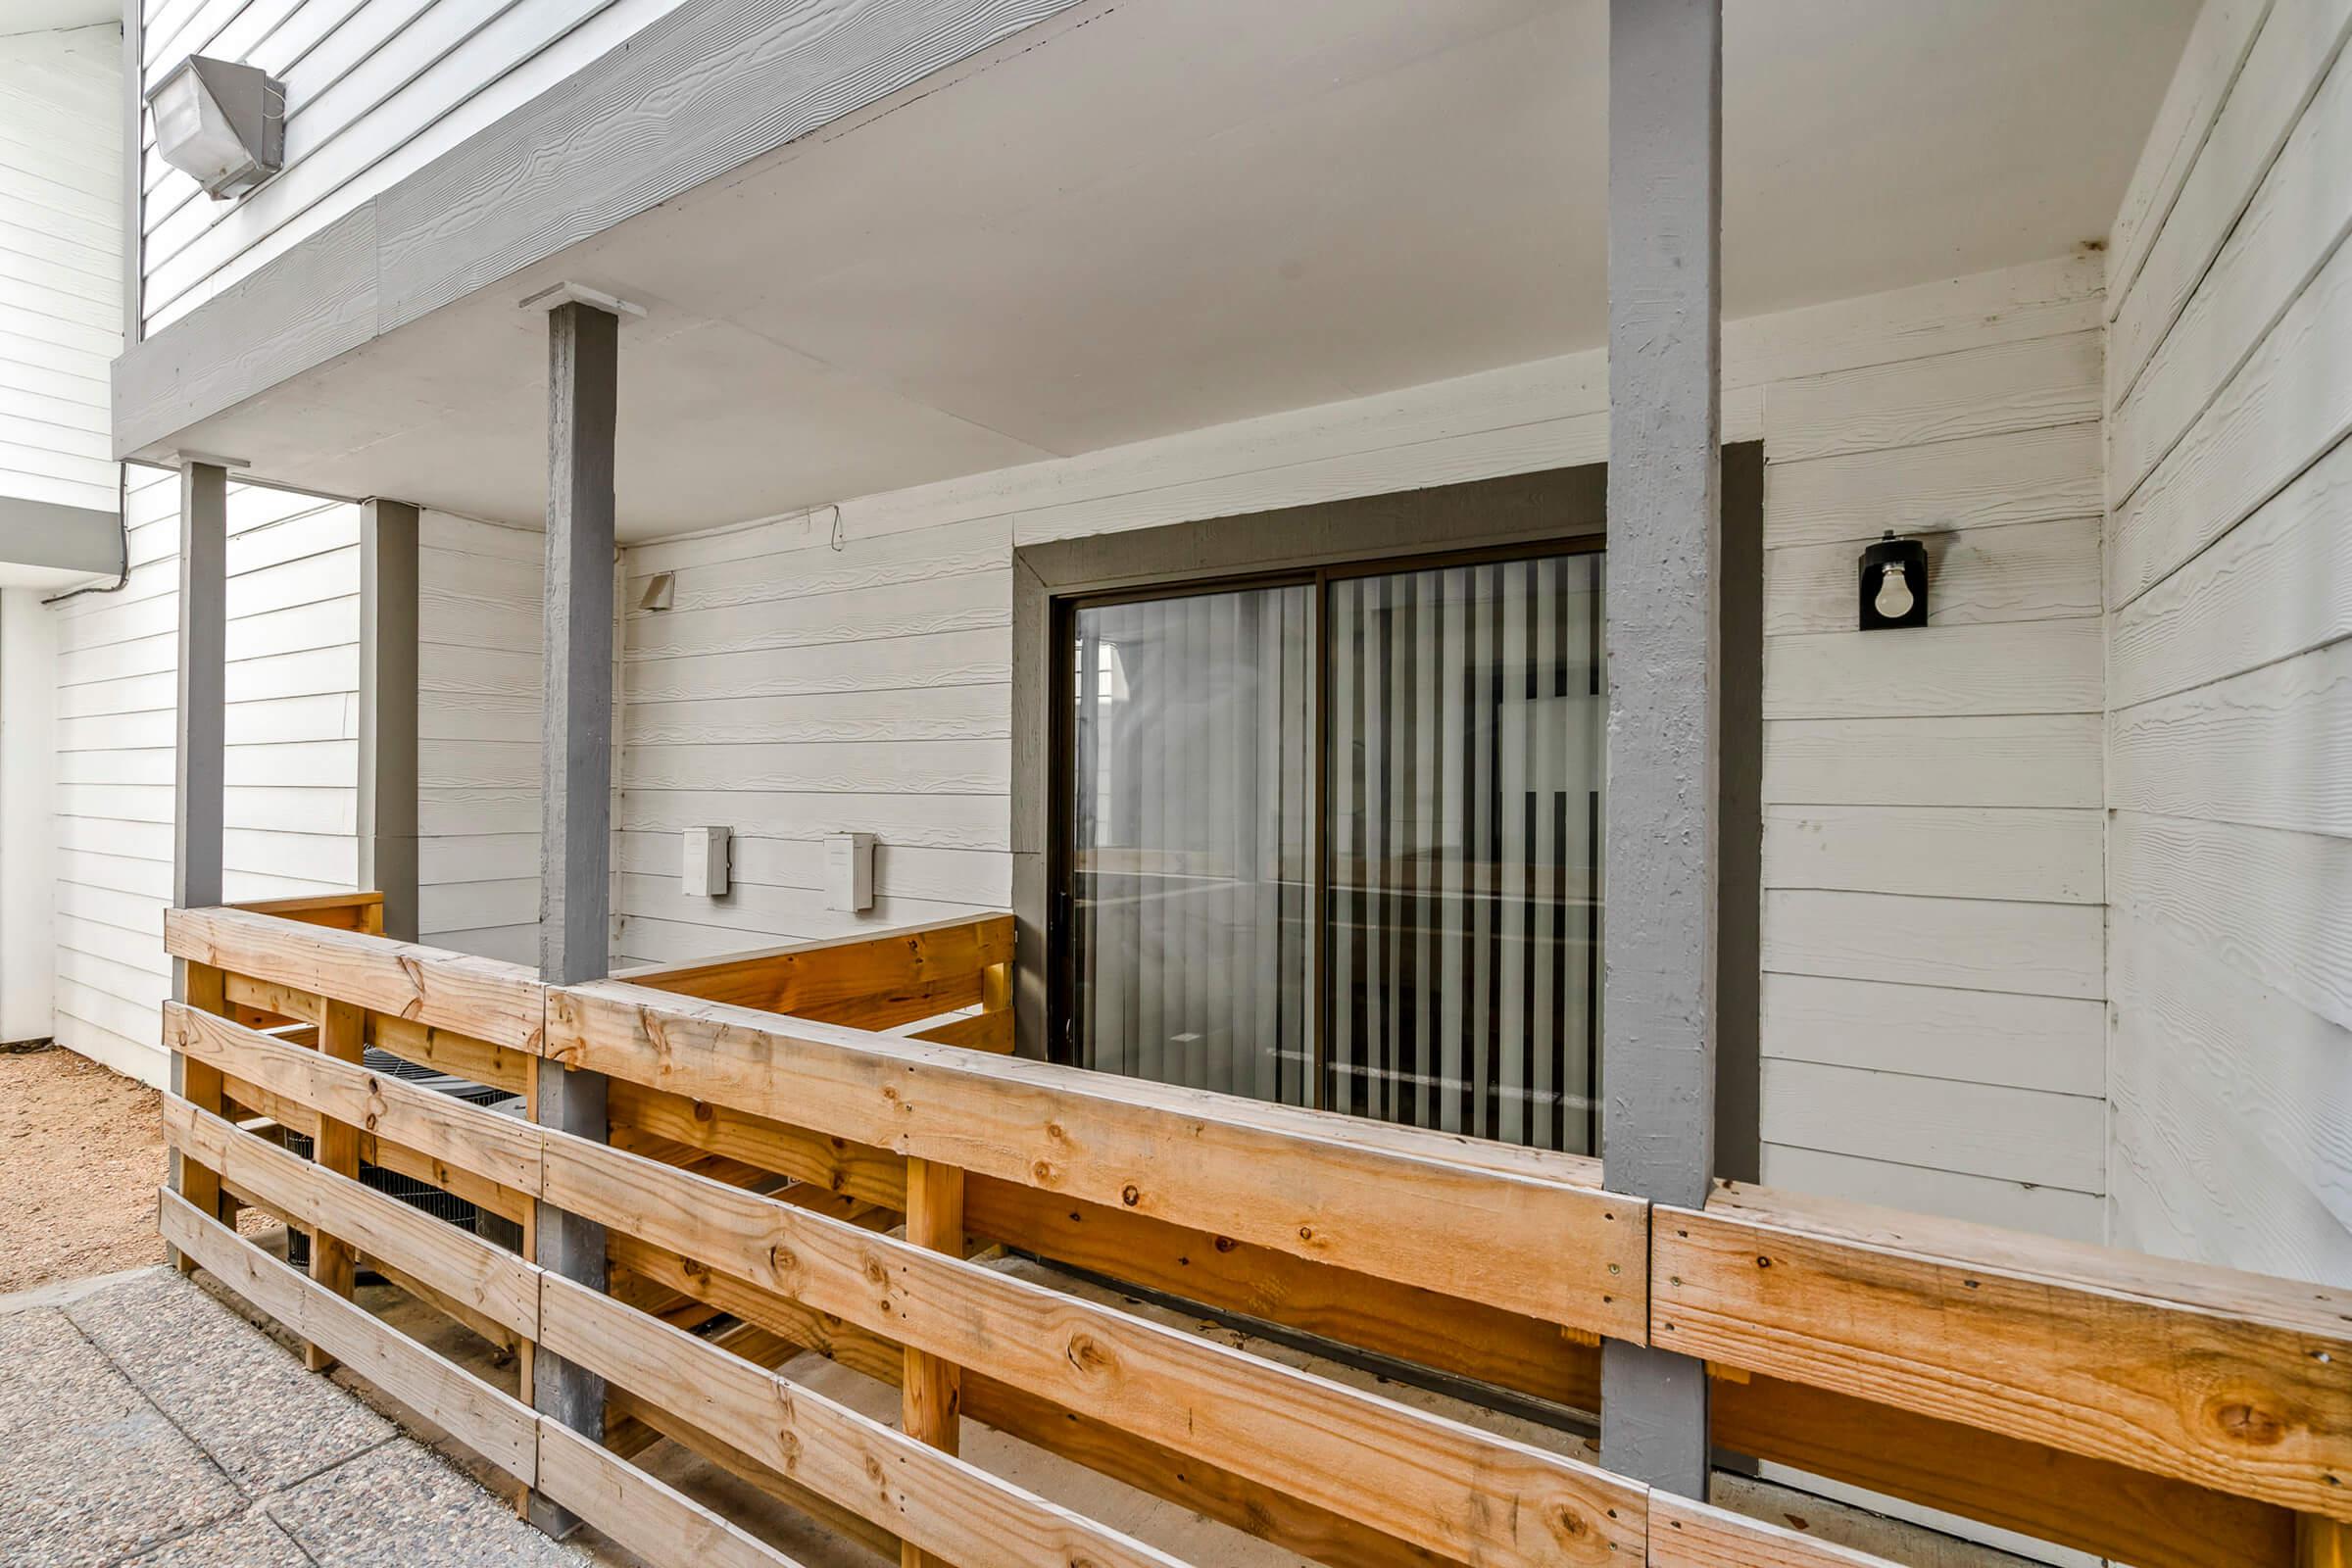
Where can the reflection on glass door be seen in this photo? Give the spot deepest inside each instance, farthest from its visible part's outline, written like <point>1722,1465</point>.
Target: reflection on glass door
<point>1193,799</point>
<point>1336,841</point>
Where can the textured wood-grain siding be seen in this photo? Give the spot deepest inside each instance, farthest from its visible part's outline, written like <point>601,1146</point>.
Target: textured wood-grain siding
<point>2229,665</point>
<point>292,730</point>
<point>374,91</point>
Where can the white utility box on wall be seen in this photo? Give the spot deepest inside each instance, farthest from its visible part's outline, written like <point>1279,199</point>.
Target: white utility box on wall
<point>708,850</point>
<point>850,872</point>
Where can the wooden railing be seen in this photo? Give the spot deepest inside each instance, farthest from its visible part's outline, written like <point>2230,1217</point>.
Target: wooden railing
<point>760,1168</point>
<point>951,981</point>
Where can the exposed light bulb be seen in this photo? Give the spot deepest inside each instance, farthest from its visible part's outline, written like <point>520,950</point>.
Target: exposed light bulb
<point>1894,599</point>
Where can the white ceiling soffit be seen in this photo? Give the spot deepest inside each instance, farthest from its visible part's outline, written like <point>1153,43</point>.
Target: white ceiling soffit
<point>51,16</point>
<point>1179,215</point>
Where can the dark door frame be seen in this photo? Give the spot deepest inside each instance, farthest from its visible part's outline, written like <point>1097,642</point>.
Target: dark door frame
<point>1562,507</point>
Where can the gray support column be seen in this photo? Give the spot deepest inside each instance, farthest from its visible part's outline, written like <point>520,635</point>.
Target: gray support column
<point>577,777</point>
<point>388,711</point>
<point>1664,647</point>
<point>199,781</point>
<point>203,684</point>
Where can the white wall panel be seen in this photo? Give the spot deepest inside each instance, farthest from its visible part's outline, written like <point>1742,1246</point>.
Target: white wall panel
<point>292,802</point>
<point>60,262</point>
<point>479,591</point>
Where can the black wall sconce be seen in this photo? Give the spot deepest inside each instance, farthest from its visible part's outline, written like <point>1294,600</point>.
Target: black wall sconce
<point>1895,584</point>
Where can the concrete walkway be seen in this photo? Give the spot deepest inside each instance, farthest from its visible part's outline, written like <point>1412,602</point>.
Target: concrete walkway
<point>142,1422</point>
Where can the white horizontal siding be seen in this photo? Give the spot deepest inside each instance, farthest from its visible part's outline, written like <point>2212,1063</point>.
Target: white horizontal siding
<point>2228,589</point>
<point>1932,925</point>
<point>478,612</point>
<point>60,262</point>
<point>292,727</point>
<point>1933,928</point>
<point>375,90</point>
<point>796,690</point>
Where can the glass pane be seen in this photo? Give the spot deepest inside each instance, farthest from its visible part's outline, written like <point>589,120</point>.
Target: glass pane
<point>1193,808</point>
<point>1468,731</point>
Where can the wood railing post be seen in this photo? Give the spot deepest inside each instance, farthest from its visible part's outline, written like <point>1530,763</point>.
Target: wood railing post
<point>931,1396</point>
<point>2322,1543</point>
<point>342,1034</point>
<point>205,989</point>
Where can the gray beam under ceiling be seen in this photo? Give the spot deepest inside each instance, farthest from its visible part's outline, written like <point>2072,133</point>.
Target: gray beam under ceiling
<point>709,86</point>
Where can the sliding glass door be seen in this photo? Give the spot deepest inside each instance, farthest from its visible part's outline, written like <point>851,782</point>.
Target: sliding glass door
<point>1193,807</point>
<point>1334,840</point>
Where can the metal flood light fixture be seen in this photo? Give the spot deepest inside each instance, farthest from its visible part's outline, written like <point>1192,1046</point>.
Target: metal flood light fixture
<point>1895,584</point>
<point>221,121</point>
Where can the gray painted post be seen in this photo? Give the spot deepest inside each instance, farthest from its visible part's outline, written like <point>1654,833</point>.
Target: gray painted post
<point>388,709</point>
<point>199,794</point>
<point>203,684</point>
<point>576,778</point>
<point>1664,649</point>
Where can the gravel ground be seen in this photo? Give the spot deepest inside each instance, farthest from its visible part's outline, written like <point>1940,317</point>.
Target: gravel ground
<point>81,1151</point>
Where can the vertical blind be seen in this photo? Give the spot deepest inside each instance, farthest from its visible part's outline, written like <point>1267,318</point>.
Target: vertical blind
<point>1411,933</point>
<point>1467,726</point>
<point>1194,771</point>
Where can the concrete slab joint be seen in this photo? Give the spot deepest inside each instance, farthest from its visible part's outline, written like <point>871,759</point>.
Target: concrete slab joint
<point>146,1424</point>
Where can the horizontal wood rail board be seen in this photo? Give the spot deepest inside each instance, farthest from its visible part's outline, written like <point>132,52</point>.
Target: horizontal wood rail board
<point>1459,1491</point>
<point>452,1179</point>
<point>2093,1506</point>
<point>1570,1254</point>
<point>501,1429</point>
<point>656,1521</point>
<point>660,1524</point>
<point>940,1502</point>
<point>1285,1414</point>
<point>991,1032</point>
<point>2227,1380</point>
<point>664,1423</point>
<point>343,911</point>
<point>500,1003</point>
<point>268,997</point>
<point>1191,1482</point>
<point>876,981</point>
<point>839,1164</point>
<point>486,1278</point>
<point>1466,1338</point>
<point>460,1056</point>
<point>498,1149</point>
<point>1684,1534</point>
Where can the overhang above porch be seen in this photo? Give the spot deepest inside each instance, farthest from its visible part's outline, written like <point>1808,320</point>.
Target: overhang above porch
<point>1118,223</point>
